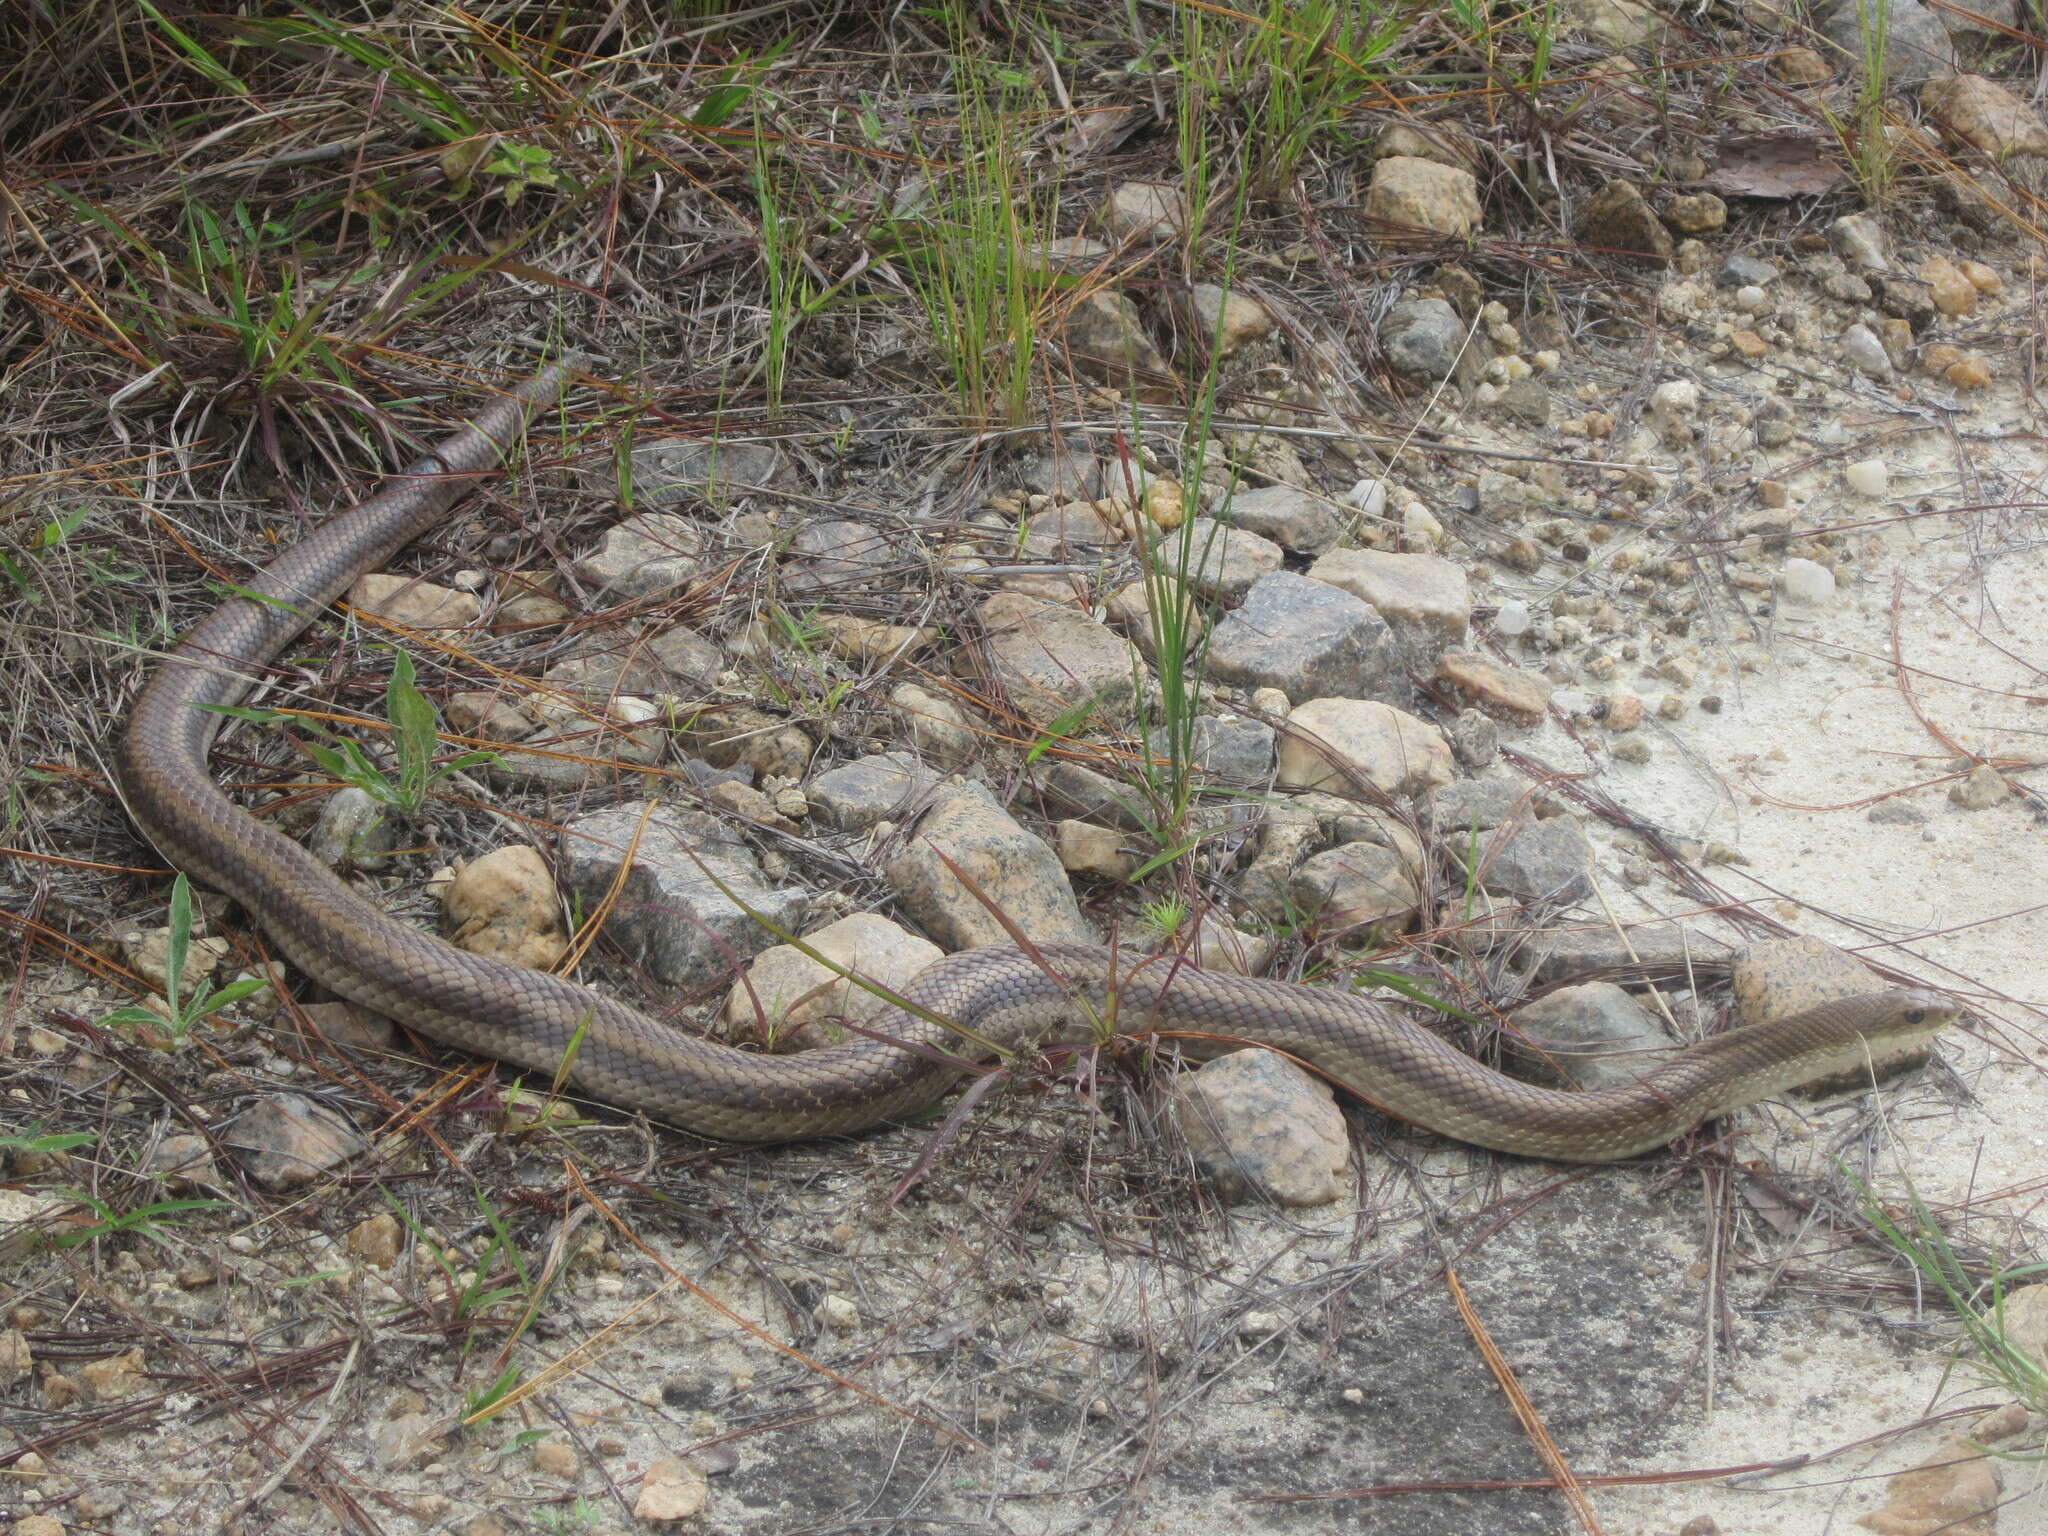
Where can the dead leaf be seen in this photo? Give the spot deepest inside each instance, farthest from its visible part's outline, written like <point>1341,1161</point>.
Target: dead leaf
<point>1779,165</point>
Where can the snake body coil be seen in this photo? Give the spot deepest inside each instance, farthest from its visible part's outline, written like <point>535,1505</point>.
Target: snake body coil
<point>1002,996</point>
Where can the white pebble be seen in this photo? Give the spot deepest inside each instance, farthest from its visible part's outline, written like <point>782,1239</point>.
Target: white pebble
<point>1513,619</point>
<point>1806,581</point>
<point>1867,477</point>
<point>1546,360</point>
<point>1369,496</point>
<point>838,1314</point>
<point>1750,298</point>
<point>1678,397</point>
<point>1860,344</point>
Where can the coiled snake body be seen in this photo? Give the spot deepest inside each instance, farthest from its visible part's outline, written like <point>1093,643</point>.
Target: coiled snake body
<point>1003,996</point>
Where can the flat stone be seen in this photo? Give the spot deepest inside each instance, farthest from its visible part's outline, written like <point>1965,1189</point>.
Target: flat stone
<point>410,603</point>
<point>1232,321</point>
<point>1068,467</point>
<point>1413,196</point>
<point>1225,561</point>
<point>1426,600</point>
<point>1589,1037</point>
<point>1504,692</point>
<point>1086,849</point>
<point>1621,24</point>
<point>489,716</point>
<point>665,473</point>
<point>347,1026</point>
<point>615,660</point>
<point>649,552</point>
<point>1984,114</point>
<point>1617,219</point>
<point>1481,804</point>
<point>1777,978</point>
<point>936,724</point>
<point>791,1002</point>
<point>1330,742</point>
<point>1293,518</point>
<point>1051,659</point>
<point>669,914</point>
<point>836,554</point>
<point>289,1140</point>
<point>671,1489</point>
<point>1107,341</point>
<point>856,795</point>
<point>1010,867</point>
<point>1917,43</point>
<point>1260,1127</point>
<point>1309,640</point>
<point>1092,796</point>
<point>1145,211</point>
<point>1742,271</point>
<point>1354,886</point>
<point>1645,952</point>
<point>1225,750</point>
<point>1538,861</point>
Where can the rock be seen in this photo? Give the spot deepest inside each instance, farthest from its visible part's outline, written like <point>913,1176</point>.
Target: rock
<point>410,603</point>
<point>1777,978</point>
<point>15,1360</point>
<point>1226,561</point>
<point>1330,740</point>
<point>647,553</point>
<point>503,905</point>
<point>1229,321</point>
<point>856,795</point>
<point>1985,115</point>
<point>1066,467</point>
<point>1909,300</point>
<point>1867,477</point>
<point>1464,806</point>
<point>1307,639</point>
<point>791,1002</point>
<point>1847,287</point>
<point>1418,140</point>
<point>1589,1037</point>
<point>936,724</point>
<point>1538,861</point>
<point>350,1026</point>
<point>2026,1329</point>
<point>406,1443</point>
<point>1011,868</point>
<point>1064,256</point>
<point>1617,219</point>
<point>1106,338</point>
<point>1224,751</point>
<point>1644,952</point>
<point>1297,519</point>
<point>1086,849</point>
<point>1952,292</point>
<point>1260,1127</point>
<point>1954,1492</point>
<point>1980,789</point>
<point>1051,659</point>
<point>1621,24</point>
<point>528,600</point>
<point>1741,271</point>
<point>290,1140</point>
<point>613,660</point>
<point>669,914</point>
<point>1130,609</point>
<point>556,1458</point>
<point>743,802</point>
<point>579,745</point>
<point>1145,212</point>
<point>869,641</point>
<point>1800,66</point>
<point>1092,796</point>
<point>1527,400</point>
<point>1354,887</point>
<point>113,1378</point>
<point>1423,338</point>
<point>1215,945</point>
<point>665,473</point>
<point>1916,43</point>
<point>1475,739</point>
<point>1505,693</point>
<point>672,1489</point>
<point>489,717</point>
<point>1427,601</point>
<point>1806,584</point>
<point>1410,196</point>
<point>1695,213</point>
<point>1866,353</point>
<point>183,1163</point>
<point>1859,240</point>
<point>839,554</point>
<point>149,956</point>
<point>377,1240</point>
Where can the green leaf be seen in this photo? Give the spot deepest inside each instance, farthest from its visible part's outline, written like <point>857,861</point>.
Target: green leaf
<point>180,941</point>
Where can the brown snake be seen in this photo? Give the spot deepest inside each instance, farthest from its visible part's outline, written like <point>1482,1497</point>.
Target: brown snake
<point>1004,996</point>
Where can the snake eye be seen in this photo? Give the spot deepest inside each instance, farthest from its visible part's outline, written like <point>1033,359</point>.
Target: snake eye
<point>1916,1015</point>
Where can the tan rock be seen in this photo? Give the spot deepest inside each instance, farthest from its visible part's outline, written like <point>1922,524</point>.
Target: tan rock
<point>1009,866</point>
<point>1327,741</point>
<point>860,639</point>
<point>1426,599</point>
<point>1800,66</point>
<point>1052,659</point>
<point>1260,1126</point>
<point>1984,114</point>
<point>1616,219</point>
<point>504,905</point>
<point>111,1379</point>
<point>1695,213</point>
<point>1954,1492</point>
<point>937,724</point>
<point>1970,372</point>
<point>1145,211</point>
<point>489,717</point>
<point>289,1140</point>
<point>1504,692</point>
<point>673,1489</point>
<point>377,1240</point>
<point>1417,140</point>
<point>1953,293</point>
<point>790,1002</point>
<point>411,603</point>
<point>1086,849</point>
<point>1410,195</point>
<point>1231,321</point>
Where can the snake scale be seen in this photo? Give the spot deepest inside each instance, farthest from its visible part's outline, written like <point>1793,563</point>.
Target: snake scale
<point>1004,996</point>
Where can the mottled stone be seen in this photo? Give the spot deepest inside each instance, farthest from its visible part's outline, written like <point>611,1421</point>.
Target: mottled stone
<point>410,603</point>
<point>1617,219</point>
<point>1052,659</point>
<point>665,473</point>
<point>1010,867</point>
<point>1426,600</point>
<point>1504,692</point>
<point>792,1002</point>
<point>1538,861</point>
<point>1309,640</point>
<point>1261,1127</point>
<point>649,552</point>
<point>289,1140</point>
<point>1225,561</point>
<point>1294,518</point>
<point>503,905</point>
<point>1411,196</point>
<point>1329,741</point>
<point>1589,1037</point>
<point>1354,886</point>
<point>856,795</point>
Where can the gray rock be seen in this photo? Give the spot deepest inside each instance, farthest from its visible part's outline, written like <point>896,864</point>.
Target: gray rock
<point>1052,658</point>
<point>1309,640</point>
<point>669,914</point>
<point>1426,600</point>
<point>1224,750</point>
<point>289,1140</point>
<point>1527,400</point>
<point>1225,561</point>
<point>1896,813</point>
<point>1475,739</point>
<point>1289,833</point>
<point>1010,867</point>
<point>1915,48</point>
<point>1423,338</point>
<point>1847,287</point>
<point>1647,952</point>
<point>407,1442</point>
<point>836,553</point>
<point>667,473</point>
<point>1081,791</point>
<point>1261,1127</point>
<point>1589,1037</point>
<point>353,832</point>
<point>1538,861</point>
<point>856,795</point>
<point>1482,804</point>
<point>647,553</point>
<point>1297,519</point>
<point>1741,271</point>
<point>1107,340</point>
<point>614,660</point>
<point>1066,468</point>
<point>1862,349</point>
<point>1858,238</point>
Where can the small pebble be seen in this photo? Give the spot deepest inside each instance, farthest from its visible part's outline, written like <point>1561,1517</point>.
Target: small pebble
<point>1750,298</point>
<point>1369,496</point>
<point>1513,619</point>
<point>1807,581</point>
<point>1868,477</point>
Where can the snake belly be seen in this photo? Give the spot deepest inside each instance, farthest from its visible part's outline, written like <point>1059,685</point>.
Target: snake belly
<point>1003,998</point>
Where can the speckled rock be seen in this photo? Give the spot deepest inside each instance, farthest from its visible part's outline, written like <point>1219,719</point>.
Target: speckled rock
<point>1780,977</point>
<point>1917,42</point>
<point>1589,1037</point>
<point>1538,861</point>
<point>1145,211</point>
<point>1289,516</point>
<point>1425,339</point>
<point>937,725</point>
<point>791,1002</point>
<point>1233,321</point>
<point>839,554</point>
<point>1329,740</point>
<point>1107,340</point>
<point>1616,219</point>
<point>669,914</point>
<point>665,473</point>
<point>1353,887</point>
<point>1985,114</point>
<point>1224,750</point>
<point>1050,659</point>
<point>1660,951</point>
<point>1261,1127</point>
<point>1225,561</point>
<point>1012,868</point>
<point>856,795</point>
<point>1504,692</point>
<point>414,604</point>
<point>288,1140</point>
<point>649,552</point>
<point>503,905</point>
<point>1309,640</point>
<point>1426,600</point>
